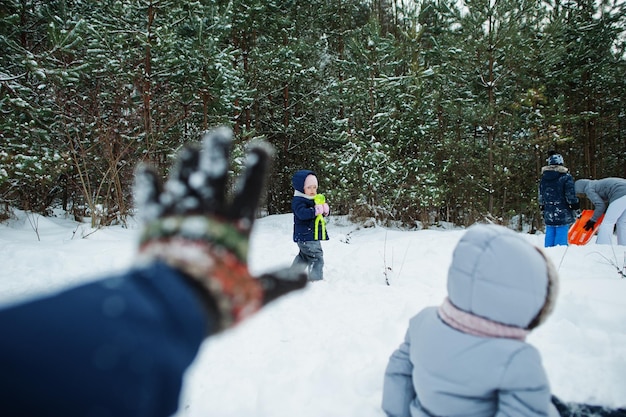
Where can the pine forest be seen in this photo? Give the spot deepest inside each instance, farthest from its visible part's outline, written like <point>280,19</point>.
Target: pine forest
<point>412,113</point>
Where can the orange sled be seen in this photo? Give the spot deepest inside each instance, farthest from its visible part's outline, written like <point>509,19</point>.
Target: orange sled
<point>577,235</point>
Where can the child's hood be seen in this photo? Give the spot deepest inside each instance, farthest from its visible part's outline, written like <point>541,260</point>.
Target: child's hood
<point>496,274</point>
<point>553,172</point>
<point>297,181</point>
<point>580,186</point>
<point>556,169</point>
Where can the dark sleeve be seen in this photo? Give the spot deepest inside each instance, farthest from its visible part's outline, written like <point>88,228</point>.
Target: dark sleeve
<point>570,193</point>
<point>303,209</point>
<point>116,347</point>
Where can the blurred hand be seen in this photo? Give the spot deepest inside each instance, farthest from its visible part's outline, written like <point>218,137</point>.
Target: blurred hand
<point>192,226</point>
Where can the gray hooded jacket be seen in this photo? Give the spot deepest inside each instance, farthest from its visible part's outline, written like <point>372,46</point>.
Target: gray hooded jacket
<point>601,193</point>
<point>441,371</point>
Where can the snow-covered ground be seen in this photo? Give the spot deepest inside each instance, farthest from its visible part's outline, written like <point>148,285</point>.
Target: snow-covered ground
<point>322,351</point>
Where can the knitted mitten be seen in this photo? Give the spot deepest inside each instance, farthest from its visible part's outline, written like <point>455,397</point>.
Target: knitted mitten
<point>191,225</point>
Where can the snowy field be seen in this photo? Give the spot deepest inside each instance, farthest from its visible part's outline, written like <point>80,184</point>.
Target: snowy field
<point>322,352</point>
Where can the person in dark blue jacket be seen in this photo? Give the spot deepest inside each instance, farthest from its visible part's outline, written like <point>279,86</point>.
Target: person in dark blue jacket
<point>557,200</point>
<point>119,347</point>
<point>309,227</point>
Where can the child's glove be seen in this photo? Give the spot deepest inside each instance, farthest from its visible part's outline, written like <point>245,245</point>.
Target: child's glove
<point>191,226</point>
<point>320,205</point>
<point>589,225</point>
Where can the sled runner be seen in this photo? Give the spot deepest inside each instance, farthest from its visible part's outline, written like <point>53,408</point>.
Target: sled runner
<point>577,235</point>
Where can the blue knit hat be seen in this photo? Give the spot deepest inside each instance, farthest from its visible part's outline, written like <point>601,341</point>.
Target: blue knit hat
<point>297,181</point>
<point>555,159</point>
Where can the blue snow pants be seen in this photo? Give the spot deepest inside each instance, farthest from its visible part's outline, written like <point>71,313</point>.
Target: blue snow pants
<point>556,235</point>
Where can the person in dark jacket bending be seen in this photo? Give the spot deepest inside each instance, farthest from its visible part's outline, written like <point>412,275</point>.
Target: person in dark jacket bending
<point>119,347</point>
<point>557,200</point>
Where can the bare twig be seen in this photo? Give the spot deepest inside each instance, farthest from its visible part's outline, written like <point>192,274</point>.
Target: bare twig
<point>385,261</point>
<point>620,271</point>
<point>34,223</point>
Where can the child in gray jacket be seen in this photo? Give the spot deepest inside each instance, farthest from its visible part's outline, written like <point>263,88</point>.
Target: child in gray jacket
<point>468,357</point>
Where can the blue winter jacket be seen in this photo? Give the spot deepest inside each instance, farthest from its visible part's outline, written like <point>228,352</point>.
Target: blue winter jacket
<point>303,208</point>
<point>441,371</point>
<point>557,196</point>
<point>112,348</point>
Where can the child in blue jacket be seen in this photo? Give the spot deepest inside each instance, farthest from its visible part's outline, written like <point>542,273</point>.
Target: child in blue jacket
<point>309,226</point>
<point>557,200</point>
